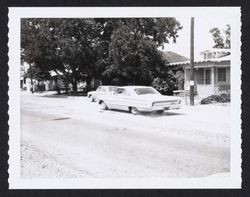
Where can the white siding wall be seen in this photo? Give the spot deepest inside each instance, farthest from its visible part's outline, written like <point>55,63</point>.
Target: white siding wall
<point>204,90</point>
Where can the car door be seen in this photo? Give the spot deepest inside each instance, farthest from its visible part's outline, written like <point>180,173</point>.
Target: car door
<point>123,100</point>
<point>115,101</point>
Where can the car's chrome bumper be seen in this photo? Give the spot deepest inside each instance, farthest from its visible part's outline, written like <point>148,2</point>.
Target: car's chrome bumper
<point>177,106</point>
<point>160,108</point>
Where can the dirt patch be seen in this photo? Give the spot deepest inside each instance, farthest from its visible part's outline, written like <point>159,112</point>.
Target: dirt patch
<point>36,163</point>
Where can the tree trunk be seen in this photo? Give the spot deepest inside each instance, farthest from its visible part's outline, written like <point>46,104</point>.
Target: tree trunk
<point>88,84</point>
<point>74,84</point>
<point>31,81</point>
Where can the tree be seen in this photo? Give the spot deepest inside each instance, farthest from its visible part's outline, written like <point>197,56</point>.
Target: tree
<point>221,41</point>
<point>218,40</point>
<point>125,49</point>
<point>227,33</point>
<point>61,45</point>
<point>37,73</point>
<point>133,54</point>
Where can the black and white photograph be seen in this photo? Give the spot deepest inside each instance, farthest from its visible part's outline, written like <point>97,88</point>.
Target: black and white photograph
<point>125,97</point>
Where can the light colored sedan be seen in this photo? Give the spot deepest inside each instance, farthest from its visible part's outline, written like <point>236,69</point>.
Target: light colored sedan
<point>101,90</point>
<point>138,99</point>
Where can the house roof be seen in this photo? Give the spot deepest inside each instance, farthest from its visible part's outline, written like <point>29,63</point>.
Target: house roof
<point>201,60</point>
<point>172,57</point>
<point>216,50</point>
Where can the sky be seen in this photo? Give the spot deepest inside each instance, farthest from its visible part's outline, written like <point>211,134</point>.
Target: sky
<point>202,38</point>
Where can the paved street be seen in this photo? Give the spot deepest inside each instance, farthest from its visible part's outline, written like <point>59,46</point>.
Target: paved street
<point>70,137</point>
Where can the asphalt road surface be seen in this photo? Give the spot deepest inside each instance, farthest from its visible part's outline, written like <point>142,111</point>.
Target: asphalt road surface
<point>70,137</point>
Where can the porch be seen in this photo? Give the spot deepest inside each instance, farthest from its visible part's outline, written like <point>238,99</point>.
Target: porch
<point>209,80</point>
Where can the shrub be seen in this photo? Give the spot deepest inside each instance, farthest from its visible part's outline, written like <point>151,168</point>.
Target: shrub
<point>223,98</point>
<point>165,86</point>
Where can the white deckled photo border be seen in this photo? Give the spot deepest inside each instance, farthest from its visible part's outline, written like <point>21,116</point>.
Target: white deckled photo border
<point>15,180</point>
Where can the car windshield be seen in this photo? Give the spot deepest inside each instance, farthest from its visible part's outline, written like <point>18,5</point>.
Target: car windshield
<point>141,91</point>
<point>100,89</point>
<point>111,89</point>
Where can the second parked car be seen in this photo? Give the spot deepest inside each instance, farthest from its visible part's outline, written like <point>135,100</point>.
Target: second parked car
<point>101,90</point>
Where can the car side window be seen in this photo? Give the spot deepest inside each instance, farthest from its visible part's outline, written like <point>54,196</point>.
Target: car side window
<point>99,89</point>
<point>125,92</point>
<point>121,91</point>
<point>103,89</point>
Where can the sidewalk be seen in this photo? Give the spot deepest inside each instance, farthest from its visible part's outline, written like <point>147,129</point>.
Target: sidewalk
<point>186,101</point>
<point>44,93</point>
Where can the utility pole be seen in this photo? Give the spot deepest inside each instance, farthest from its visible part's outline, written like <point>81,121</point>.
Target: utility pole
<point>192,62</point>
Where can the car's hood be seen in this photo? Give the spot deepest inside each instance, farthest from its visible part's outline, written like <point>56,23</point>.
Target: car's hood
<point>157,97</point>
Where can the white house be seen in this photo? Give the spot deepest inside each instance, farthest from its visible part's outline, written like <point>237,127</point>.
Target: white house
<point>211,72</point>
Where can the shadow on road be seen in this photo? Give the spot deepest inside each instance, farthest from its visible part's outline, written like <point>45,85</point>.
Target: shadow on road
<point>55,96</point>
<point>62,95</point>
<point>148,114</point>
<point>157,114</point>
<point>116,110</point>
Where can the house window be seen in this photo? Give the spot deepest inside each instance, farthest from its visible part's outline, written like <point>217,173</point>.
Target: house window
<point>222,74</point>
<point>207,76</point>
<point>209,56</point>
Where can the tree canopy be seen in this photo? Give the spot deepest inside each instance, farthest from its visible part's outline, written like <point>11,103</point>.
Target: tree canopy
<point>125,49</point>
<point>221,38</point>
<point>64,46</point>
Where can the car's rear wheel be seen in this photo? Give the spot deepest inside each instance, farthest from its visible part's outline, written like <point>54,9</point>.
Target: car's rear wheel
<point>103,106</point>
<point>134,111</point>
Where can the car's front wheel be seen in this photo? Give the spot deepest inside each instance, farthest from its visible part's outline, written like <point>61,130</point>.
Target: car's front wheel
<point>103,106</point>
<point>134,111</point>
